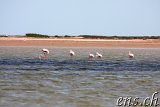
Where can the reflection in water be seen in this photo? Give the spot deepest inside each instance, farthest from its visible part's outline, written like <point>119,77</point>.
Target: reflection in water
<point>78,82</point>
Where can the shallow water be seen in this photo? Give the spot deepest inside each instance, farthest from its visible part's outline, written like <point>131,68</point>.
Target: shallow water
<point>26,81</point>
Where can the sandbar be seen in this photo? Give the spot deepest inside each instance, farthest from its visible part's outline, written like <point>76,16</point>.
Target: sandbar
<point>80,42</point>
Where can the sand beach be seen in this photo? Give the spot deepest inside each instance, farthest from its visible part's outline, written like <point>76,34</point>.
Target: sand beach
<point>80,42</point>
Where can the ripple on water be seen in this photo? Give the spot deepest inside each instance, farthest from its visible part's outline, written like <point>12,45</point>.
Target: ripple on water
<point>61,81</point>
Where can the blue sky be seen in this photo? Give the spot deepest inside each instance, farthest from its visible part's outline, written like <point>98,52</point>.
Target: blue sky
<point>78,17</point>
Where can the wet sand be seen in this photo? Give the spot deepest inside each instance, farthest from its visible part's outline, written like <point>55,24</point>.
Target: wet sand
<point>78,42</point>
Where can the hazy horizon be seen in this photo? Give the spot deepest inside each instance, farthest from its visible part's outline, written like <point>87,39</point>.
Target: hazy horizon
<point>81,17</point>
<point>86,35</point>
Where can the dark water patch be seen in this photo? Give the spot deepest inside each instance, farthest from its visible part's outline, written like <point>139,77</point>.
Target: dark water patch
<point>79,65</point>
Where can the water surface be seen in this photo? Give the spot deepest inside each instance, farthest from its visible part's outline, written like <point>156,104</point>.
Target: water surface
<point>26,81</point>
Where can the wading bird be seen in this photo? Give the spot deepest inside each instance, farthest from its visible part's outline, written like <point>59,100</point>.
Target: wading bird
<point>71,53</point>
<point>98,55</point>
<point>130,55</point>
<point>45,54</point>
<point>91,55</point>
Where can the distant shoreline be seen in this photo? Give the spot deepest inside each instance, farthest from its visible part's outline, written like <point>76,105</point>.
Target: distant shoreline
<point>80,42</point>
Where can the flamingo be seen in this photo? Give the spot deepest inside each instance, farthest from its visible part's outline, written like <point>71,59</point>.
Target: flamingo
<point>71,53</point>
<point>91,55</point>
<point>98,55</point>
<point>45,54</point>
<point>130,55</point>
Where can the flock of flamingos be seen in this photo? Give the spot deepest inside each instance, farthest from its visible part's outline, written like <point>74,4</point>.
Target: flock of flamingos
<point>45,53</point>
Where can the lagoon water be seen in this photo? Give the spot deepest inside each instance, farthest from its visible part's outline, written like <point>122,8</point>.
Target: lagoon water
<point>26,81</point>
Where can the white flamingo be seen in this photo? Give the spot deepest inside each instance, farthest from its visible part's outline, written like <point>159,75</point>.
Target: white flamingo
<point>45,54</point>
<point>98,55</point>
<point>71,53</point>
<point>91,55</point>
<point>130,55</point>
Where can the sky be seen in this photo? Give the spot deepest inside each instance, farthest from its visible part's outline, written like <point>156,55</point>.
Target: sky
<point>80,17</point>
